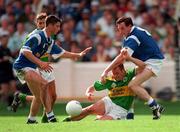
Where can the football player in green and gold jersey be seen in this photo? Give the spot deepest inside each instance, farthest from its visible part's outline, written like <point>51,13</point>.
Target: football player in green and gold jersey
<point>115,106</point>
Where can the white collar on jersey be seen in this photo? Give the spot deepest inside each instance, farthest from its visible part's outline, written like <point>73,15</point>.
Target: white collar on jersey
<point>47,38</point>
<point>45,33</point>
<point>132,28</point>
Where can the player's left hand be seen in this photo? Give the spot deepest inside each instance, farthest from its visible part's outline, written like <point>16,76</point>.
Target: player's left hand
<point>84,52</point>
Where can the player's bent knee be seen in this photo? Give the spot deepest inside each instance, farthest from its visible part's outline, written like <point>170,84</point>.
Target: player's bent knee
<point>132,86</point>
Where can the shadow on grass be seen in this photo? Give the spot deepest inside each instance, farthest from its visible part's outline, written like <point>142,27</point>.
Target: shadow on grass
<point>171,108</point>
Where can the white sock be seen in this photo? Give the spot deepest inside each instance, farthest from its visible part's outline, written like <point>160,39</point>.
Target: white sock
<point>32,118</point>
<point>150,101</point>
<point>50,114</point>
<point>131,110</point>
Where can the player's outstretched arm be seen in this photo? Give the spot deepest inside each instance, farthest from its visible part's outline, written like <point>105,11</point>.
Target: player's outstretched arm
<point>118,60</point>
<point>76,55</point>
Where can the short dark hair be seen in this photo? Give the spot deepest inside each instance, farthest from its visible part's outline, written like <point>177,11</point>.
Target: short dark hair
<point>127,20</point>
<point>52,19</point>
<point>41,16</point>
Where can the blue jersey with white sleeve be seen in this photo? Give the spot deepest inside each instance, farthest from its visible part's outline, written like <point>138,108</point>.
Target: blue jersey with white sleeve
<point>141,44</point>
<point>38,43</point>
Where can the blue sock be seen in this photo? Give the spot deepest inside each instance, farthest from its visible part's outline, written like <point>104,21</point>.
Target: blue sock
<point>130,116</point>
<point>153,105</point>
<point>50,115</point>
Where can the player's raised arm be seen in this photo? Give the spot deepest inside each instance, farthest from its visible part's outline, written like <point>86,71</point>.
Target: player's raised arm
<point>118,60</point>
<point>136,61</point>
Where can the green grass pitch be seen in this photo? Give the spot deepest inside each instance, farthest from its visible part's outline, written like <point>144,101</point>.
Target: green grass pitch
<point>169,122</point>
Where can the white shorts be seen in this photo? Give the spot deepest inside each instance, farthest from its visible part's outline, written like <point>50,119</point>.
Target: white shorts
<point>21,73</point>
<point>113,110</point>
<point>48,76</point>
<point>154,65</point>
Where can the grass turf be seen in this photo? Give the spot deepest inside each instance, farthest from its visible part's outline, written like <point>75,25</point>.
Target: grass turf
<point>170,121</point>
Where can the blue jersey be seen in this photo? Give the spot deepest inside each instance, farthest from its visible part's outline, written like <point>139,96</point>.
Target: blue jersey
<point>38,43</point>
<point>142,44</point>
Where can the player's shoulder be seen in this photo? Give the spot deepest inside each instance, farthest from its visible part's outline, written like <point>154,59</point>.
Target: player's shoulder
<point>35,35</point>
<point>36,31</point>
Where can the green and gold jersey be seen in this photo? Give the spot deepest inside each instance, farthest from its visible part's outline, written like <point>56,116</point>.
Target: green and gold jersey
<point>119,92</point>
<point>45,57</point>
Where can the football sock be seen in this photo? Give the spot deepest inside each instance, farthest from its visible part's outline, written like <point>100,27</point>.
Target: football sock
<point>130,114</point>
<point>131,110</point>
<point>152,103</point>
<point>50,116</point>
<point>32,118</point>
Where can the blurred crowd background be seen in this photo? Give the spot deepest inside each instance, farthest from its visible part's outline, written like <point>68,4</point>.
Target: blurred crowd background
<point>86,23</point>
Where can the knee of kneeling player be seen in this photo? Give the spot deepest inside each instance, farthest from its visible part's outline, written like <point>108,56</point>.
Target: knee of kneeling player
<point>132,86</point>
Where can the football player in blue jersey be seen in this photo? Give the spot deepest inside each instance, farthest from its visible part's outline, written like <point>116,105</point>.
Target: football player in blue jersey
<point>35,46</point>
<point>49,76</point>
<point>139,44</point>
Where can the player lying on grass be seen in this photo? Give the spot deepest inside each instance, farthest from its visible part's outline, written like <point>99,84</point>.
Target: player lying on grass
<point>115,106</point>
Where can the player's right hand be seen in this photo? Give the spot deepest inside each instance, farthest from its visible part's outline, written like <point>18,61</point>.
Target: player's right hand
<point>45,66</point>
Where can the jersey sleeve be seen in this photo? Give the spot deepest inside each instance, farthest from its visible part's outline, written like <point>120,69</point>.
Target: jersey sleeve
<point>31,43</point>
<point>56,51</point>
<point>99,86</point>
<point>132,42</point>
